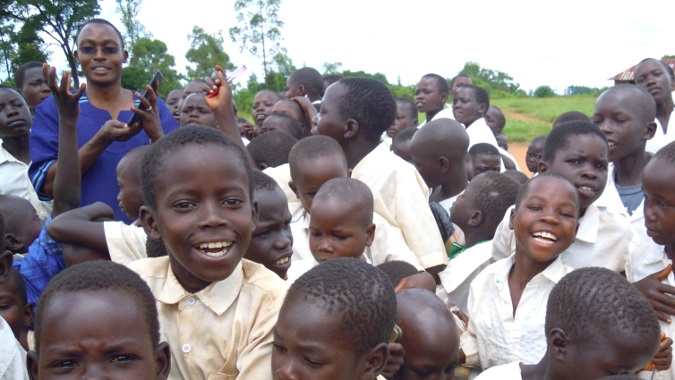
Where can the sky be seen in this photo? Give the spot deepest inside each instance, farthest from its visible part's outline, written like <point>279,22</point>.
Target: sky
<point>563,43</point>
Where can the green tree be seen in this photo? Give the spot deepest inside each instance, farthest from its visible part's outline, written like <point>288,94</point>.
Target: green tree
<point>148,55</point>
<point>330,68</point>
<point>544,92</point>
<point>59,19</point>
<point>491,80</point>
<point>259,29</point>
<point>134,29</point>
<point>206,51</point>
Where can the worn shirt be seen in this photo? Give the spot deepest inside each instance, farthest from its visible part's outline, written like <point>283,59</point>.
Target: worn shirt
<point>223,331</point>
<point>126,243</point>
<point>494,335</point>
<point>12,355</point>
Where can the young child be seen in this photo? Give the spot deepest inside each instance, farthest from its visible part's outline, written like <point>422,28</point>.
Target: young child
<point>14,306</point>
<point>649,265</point>
<point>335,323</point>
<point>535,153</point>
<point>430,96</point>
<point>198,201</point>
<point>506,300</point>
<point>495,119</point>
<point>484,158</point>
<point>32,84</point>
<point>272,240</point>
<point>578,151</point>
<point>400,145</point>
<point>430,336</point>
<point>305,82</point>
<point>477,212</point>
<point>438,151</point>
<point>195,111</point>
<point>653,75</point>
<point>282,123</point>
<point>98,318</point>
<point>469,108</point>
<point>570,116</point>
<point>271,149</point>
<point>173,100</point>
<point>130,196</point>
<point>262,106</point>
<point>15,124</point>
<point>406,117</point>
<point>26,233</point>
<point>625,114</point>
<point>457,82</point>
<point>597,324</point>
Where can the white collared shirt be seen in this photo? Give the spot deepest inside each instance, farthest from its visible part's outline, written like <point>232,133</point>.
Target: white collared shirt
<point>494,336</point>
<point>456,278</point>
<point>661,139</point>
<point>509,371</point>
<point>126,243</point>
<point>12,355</point>
<point>15,181</point>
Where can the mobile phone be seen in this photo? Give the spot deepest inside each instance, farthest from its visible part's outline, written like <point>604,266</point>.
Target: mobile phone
<point>154,84</point>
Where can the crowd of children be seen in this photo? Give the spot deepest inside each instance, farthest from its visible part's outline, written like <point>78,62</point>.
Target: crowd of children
<point>334,236</point>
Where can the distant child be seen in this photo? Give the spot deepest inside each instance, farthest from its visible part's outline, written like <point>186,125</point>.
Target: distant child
<point>469,108</point>
<point>578,151</point>
<point>15,127</point>
<point>535,153</point>
<point>430,96</point>
<point>14,306</point>
<point>570,116</point>
<point>364,109</point>
<point>406,117</point>
<point>457,82</point>
<point>654,76</point>
<point>198,201</point>
<point>292,109</point>
<point>625,114</point>
<point>477,212</point>
<point>650,264</point>
<point>282,123</point>
<point>506,300</point>
<point>400,145</point>
<point>272,240</point>
<point>32,84</point>
<point>517,176</point>
<point>305,82</point>
<point>484,158</point>
<point>130,196</point>
<point>195,111</point>
<point>26,234</point>
<point>98,318</point>
<point>438,151</point>
<point>173,100</point>
<point>335,323</point>
<point>597,324</point>
<point>271,149</point>
<point>263,103</point>
<point>430,336</point>
<point>495,119</point>
<point>502,141</point>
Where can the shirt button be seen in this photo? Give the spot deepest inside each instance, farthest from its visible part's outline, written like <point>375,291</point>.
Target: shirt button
<point>186,348</point>
<point>191,301</point>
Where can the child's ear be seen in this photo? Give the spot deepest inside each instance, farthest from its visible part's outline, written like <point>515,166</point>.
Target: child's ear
<point>443,164</point>
<point>351,129</point>
<point>482,108</point>
<point>262,166</point>
<point>650,131</point>
<point>291,184</point>
<point>373,362</point>
<point>254,213</point>
<point>444,97</point>
<point>126,56</point>
<point>370,235</point>
<point>32,365</point>
<point>147,217</point>
<point>301,90</point>
<point>163,360</point>
<point>476,218</point>
<point>28,315</point>
<point>6,259</point>
<point>543,167</point>
<point>512,217</point>
<point>559,343</point>
<point>12,242</point>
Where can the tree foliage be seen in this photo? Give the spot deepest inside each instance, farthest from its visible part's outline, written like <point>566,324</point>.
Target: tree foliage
<point>58,19</point>
<point>259,29</point>
<point>206,51</point>
<point>134,29</point>
<point>148,55</point>
<point>544,92</point>
<point>495,82</point>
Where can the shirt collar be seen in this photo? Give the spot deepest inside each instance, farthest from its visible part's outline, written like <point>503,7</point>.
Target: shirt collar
<point>655,254</point>
<point>589,224</point>
<point>218,296</point>
<point>554,272</point>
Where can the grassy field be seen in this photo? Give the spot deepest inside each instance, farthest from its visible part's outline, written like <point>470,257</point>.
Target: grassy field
<point>530,117</point>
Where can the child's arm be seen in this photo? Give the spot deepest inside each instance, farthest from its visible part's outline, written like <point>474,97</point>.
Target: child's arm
<point>78,227</point>
<point>221,104</point>
<point>67,177</point>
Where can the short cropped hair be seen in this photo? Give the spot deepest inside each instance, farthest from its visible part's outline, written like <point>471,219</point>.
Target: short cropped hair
<point>310,78</point>
<point>101,21</point>
<point>641,100</point>
<point>412,108</point>
<point>667,153</point>
<point>559,137</point>
<point>570,116</point>
<point>539,139</point>
<point>483,148</point>
<point>525,188</point>
<point>291,124</point>
<point>155,158</point>
<point>440,82</point>
<point>397,270</point>
<point>597,302</point>
<point>312,148</point>
<point>271,148</point>
<point>262,181</point>
<point>360,294</point>
<point>370,103</point>
<point>94,276</point>
<point>517,176</point>
<point>482,96</point>
<point>460,75</point>
<point>498,193</point>
<point>349,191</point>
<point>330,79</point>
<point>20,74</point>
<point>403,136</point>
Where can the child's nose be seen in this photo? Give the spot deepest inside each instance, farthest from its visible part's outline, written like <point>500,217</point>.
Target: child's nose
<point>287,371</point>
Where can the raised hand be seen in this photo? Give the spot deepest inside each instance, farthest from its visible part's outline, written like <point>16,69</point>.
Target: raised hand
<point>67,102</point>
<point>149,117</point>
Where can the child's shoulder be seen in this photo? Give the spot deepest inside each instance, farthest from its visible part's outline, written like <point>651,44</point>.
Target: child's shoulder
<point>645,260</point>
<point>505,371</point>
<point>256,275</point>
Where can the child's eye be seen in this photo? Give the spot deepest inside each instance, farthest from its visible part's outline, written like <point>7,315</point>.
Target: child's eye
<point>233,202</point>
<point>534,208</point>
<point>279,347</point>
<point>121,358</point>
<point>64,364</point>
<point>183,205</point>
<point>313,363</point>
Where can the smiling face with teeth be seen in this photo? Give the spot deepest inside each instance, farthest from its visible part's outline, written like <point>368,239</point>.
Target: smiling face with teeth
<point>203,214</point>
<point>545,219</point>
<point>100,69</point>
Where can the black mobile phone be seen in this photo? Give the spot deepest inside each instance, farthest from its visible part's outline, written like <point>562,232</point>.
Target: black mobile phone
<point>154,84</point>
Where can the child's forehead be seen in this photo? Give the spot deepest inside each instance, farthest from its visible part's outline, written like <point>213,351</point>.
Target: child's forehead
<point>10,94</point>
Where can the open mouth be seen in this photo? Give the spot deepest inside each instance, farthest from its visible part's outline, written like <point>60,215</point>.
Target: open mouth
<point>611,144</point>
<point>283,261</point>
<point>215,248</point>
<point>545,238</point>
<point>586,189</point>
